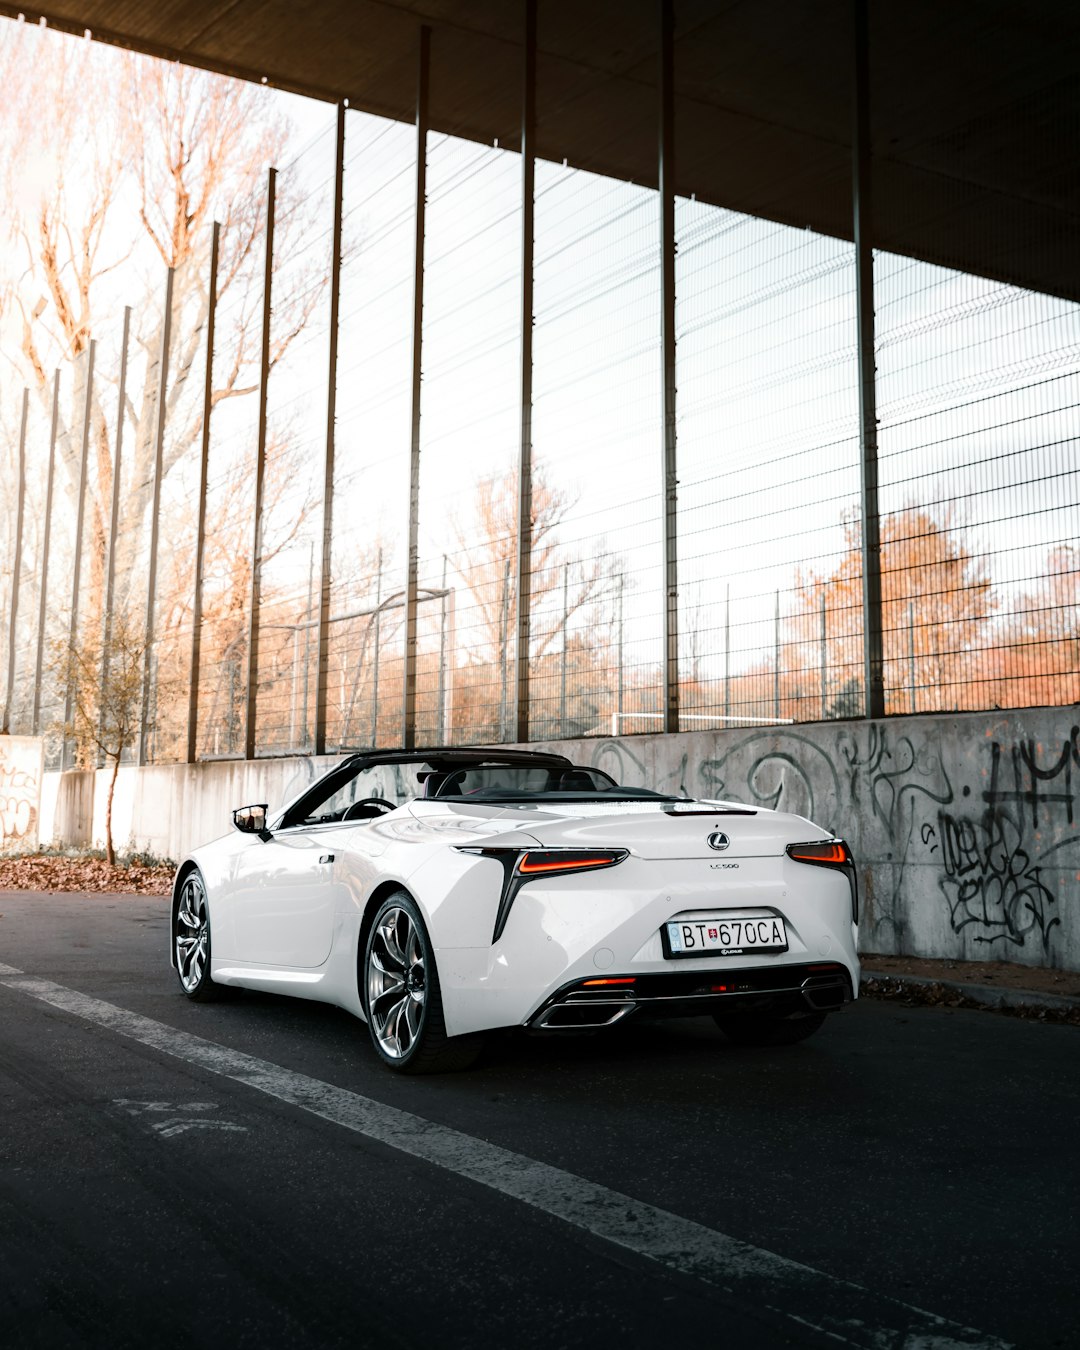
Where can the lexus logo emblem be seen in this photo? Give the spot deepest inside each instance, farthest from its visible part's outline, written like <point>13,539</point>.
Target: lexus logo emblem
<point>718,840</point>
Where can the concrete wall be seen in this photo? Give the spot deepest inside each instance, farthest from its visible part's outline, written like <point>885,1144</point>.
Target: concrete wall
<point>966,827</point>
<point>22,765</point>
<point>169,809</point>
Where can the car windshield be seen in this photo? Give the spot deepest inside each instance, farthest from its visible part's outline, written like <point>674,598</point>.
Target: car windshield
<point>362,790</point>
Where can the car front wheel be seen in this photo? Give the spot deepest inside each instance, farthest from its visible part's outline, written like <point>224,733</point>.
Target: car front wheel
<point>402,998</point>
<point>191,940</point>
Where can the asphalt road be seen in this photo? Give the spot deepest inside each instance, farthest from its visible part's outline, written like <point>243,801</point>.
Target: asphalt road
<point>245,1173</point>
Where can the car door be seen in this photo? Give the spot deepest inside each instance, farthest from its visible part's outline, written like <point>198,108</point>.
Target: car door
<point>284,898</point>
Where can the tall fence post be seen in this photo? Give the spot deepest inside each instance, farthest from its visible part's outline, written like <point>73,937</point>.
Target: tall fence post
<point>441,732</point>
<point>155,514</point>
<point>862,212</point>
<point>252,684</point>
<point>16,566</point>
<point>667,331</point>
<point>565,651</point>
<point>727,653</point>
<point>412,565</point>
<point>76,562</point>
<point>46,537</point>
<point>114,521</point>
<point>620,693</point>
<point>776,658</point>
<point>326,576</point>
<point>528,245</point>
<point>200,528</point>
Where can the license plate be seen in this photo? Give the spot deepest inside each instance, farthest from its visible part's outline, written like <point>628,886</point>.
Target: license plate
<point>724,937</point>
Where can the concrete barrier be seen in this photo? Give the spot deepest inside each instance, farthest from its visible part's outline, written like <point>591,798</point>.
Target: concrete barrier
<point>965,826</point>
<point>22,765</point>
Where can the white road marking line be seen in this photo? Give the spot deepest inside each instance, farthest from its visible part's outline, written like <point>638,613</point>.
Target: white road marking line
<point>845,1311</point>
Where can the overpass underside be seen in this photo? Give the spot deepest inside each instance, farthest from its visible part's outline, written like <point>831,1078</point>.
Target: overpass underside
<point>974,122</point>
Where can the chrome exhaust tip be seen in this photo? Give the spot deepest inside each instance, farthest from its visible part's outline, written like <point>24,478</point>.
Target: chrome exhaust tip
<point>591,1016</point>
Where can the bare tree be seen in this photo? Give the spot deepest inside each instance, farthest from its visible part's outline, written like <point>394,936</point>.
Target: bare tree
<point>107,699</point>
<point>176,148</point>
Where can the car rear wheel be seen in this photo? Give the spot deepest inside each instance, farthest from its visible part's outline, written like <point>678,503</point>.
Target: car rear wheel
<point>764,1029</point>
<point>402,997</point>
<point>191,940</point>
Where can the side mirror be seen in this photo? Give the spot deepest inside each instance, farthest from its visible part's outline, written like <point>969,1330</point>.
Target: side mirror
<point>252,820</point>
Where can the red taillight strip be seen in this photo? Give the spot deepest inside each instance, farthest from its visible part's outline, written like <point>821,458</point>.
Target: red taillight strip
<point>568,864</point>
<point>589,984</point>
<point>834,853</point>
<point>830,853</point>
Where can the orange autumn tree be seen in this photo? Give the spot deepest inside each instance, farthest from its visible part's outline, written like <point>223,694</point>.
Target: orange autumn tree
<point>1038,660</point>
<point>937,604</point>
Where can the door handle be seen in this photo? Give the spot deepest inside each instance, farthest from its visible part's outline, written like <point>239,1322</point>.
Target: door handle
<point>327,858</point>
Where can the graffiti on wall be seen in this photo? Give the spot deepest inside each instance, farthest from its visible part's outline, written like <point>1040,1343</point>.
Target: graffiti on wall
<point>985,829</point>
<point>996,855</point>
<point>20,791</point>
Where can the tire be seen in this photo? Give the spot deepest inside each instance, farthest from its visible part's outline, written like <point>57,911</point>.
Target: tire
<point>758,1029</point>
<point>191,940</point>
<point>402,998</point>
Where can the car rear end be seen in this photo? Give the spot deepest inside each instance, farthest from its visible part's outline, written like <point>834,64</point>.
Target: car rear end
<point>674,909</point>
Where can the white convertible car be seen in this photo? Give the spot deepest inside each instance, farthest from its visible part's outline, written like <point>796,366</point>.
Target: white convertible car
<point>443,894</point>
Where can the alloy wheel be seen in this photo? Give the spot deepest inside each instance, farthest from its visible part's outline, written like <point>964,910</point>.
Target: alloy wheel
<point>192,933</point>
<point>396,983</point>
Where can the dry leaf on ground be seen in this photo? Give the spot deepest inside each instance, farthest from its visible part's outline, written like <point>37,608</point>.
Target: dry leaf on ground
<point>47,873</point>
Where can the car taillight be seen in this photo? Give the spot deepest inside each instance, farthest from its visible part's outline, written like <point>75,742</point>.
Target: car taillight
<point>566,860</point>
<point>522,865</point>
<point>830,853</point>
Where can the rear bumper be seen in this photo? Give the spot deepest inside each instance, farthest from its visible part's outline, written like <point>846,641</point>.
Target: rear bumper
<point>583,1005</point>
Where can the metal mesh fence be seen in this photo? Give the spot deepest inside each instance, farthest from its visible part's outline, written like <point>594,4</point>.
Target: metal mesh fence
<point>977,382</point>
<point>371,480</point>
<point>470,429</point>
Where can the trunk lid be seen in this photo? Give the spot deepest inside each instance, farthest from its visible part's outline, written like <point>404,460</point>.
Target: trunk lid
<point>649,831</point>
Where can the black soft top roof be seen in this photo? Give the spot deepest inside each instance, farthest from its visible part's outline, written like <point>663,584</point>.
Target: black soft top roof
<point>439,756</point>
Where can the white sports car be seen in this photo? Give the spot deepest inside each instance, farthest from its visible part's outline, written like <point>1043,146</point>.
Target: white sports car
<point>443,894</point>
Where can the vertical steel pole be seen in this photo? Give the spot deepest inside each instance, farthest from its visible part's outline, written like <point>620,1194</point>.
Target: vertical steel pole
<point>36,724</point>
<point>667,332</point>
<point>16,566</point>
<point>306,692</point>
<point>621,692</point>
<point>451,645</point>
<point>727,653</point>
<point>252,684</point>
<point>776,657</point>
<point>528,233</point>
<point>114,520</point>
<point>200,529</point>
<point>412,567</point>
<point>377,637</point>
<point>824,658</point>
<point>562,677</point>
<point>441,732</point>
<point>76,562</point>
<point>155,513</point>
<point>862,203</point>
<point>325,577</point>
